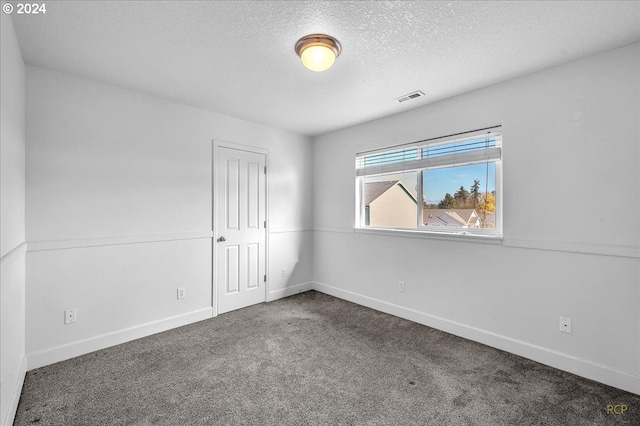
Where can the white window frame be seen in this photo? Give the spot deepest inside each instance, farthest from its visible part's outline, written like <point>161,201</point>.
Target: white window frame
<point>415,164</point>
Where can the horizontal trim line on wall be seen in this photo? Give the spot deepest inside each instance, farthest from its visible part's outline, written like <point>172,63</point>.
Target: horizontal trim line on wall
<point>562,246</point>
<point>22,247</point>
<point>335,229</point>
<point>73,349</point>
<point>113,241</point>
<point>585,248</point>
<point>579,366</point>
<point>581,248</point>
<point>288,230</point>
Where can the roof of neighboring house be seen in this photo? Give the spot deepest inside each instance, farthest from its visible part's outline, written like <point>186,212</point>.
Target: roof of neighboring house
<point>435,220</point>
<point>462,216</point>
<point>446,218</point>
<point>373,190</point>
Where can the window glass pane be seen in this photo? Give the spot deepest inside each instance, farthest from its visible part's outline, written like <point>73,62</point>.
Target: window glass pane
<point>460,197</point>
<point>389,201</point>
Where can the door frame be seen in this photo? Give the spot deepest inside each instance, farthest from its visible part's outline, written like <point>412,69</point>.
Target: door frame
<point>214,217</point>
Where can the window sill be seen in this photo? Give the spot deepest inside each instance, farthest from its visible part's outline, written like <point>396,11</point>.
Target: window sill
<point>469,238</point>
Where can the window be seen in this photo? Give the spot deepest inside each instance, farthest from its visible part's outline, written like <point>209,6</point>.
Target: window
<point>448,185</point>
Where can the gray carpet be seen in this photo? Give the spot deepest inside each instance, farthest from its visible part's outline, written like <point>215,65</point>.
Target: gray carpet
<point>312,359</point>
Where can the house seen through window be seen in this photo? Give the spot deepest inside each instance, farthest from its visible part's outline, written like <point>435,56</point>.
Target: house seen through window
<point>442,185</point>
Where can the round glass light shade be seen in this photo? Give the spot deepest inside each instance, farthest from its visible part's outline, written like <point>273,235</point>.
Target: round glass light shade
<point>318,58</point>
<point>318,52</point>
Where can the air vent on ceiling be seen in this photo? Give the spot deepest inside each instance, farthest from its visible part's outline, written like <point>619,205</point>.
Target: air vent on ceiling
<point>410,96</point>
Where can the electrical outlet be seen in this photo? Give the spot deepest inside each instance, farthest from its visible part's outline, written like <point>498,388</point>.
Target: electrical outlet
<point>283,272</point>
<point>70,316</point>
<point>401,286</point>
<point>181,293</point>
<point>565,325</point>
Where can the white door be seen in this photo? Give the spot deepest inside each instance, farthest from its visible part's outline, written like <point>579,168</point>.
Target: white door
<point>240,231</point>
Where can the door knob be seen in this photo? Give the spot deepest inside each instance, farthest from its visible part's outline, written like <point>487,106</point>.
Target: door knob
<point>221,239</point>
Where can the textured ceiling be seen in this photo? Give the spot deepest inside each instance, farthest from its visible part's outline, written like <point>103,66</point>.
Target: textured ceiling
<point>237,57</point>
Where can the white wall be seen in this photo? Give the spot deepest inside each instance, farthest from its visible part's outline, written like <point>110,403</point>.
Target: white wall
<point>571,229</point>
<point>12,225</point>
<point>119,212</point>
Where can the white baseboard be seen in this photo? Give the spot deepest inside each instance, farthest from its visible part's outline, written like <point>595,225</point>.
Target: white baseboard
<point>81,347</point>
<point>561,361</point>
<point>290,291</point>
<point>15,396</point>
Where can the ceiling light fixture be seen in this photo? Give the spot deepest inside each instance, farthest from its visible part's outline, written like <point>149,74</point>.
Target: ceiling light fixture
<point>318,52</point>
